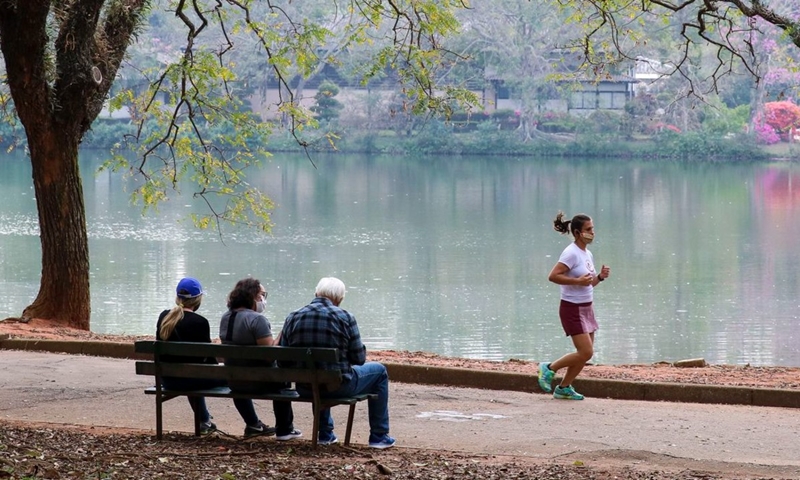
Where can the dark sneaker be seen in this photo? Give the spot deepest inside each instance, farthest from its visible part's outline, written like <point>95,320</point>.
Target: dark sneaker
<point>207,427</point>
<point>567,393</point>
<point>383,441</point>
<point>258,429</point>
<point>327,438</point>
<point>546,377</point>
<point>295,433</point>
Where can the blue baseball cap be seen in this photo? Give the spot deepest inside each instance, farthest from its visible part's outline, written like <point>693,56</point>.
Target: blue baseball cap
<point>189,288</point>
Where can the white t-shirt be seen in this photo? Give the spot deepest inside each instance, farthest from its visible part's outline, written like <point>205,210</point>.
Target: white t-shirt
<point>580,262</point>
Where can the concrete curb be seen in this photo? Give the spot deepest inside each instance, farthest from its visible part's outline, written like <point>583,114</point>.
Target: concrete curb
<point>599,388</point>
<point>487,379</point>
<point>93,348</point>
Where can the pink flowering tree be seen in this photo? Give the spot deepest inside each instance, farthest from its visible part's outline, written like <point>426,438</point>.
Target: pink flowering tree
<point>783,117</point>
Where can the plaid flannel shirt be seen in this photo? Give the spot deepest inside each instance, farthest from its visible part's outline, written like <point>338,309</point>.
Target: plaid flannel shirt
<point>322,324</point>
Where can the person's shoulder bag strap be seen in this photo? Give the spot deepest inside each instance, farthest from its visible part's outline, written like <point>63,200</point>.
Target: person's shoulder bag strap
<point>229,333</point>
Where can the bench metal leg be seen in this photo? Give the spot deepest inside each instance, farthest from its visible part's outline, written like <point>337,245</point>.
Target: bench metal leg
<point>315,428</point>
<point>159,422</point>
<point>197,420</point>
<point>349,424</point>
<point>317,408</point>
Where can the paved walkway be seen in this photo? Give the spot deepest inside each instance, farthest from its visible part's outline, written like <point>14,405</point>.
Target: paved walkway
<point>84,390</point>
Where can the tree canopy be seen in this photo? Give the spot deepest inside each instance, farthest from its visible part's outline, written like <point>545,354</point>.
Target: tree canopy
<point>728,31</point>
<point>185,91</point>
<point>62,58</point>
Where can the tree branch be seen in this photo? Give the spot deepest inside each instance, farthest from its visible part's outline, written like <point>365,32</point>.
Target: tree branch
<point>23,29</point>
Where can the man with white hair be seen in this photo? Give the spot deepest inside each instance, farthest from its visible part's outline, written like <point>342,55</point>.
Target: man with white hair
<point>323,324</point>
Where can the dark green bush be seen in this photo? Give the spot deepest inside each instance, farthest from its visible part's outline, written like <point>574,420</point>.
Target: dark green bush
<point>490,139</point>
<point>434,136</point>
<point>694,145</point>
<point>107,133</point>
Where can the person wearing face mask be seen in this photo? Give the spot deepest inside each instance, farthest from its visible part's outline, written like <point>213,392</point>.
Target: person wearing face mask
<point>245,324</point>
<point>183,324</point>
<point>575,273</point>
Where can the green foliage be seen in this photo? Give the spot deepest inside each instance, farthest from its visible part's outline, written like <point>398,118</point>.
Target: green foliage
<point>503,114</point>
<point>12,135</point>
<point>192,127</point>
<point>327,107</point>
<point>695,145</point>
<point>718,119</point>
<point>490,138</point>
<point>605,122</point>
<point>506,119</point>
<point>108,134</point>
<point>644,105</point>
<point>434,136</point>
<point>555,122</point>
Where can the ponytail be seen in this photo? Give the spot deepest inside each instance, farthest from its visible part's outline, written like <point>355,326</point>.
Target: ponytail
<point>562,227</point>
<point>559,225</point>
<point>171,320</point>
<point>175,315</point>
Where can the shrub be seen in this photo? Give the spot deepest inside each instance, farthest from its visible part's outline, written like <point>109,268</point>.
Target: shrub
<point>766,134</point>
<point>491,139</point>
<point>721,120</point>
<point>553,122</point>
<point>107,133</point>
<point>604,121</point>
<point>326,107</point>
<point>434,137</point>
<point>692,145</point>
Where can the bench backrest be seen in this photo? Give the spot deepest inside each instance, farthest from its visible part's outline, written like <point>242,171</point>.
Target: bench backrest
<point>305,362</point>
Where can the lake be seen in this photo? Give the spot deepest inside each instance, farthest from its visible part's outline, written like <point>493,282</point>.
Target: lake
<point>451,254</point>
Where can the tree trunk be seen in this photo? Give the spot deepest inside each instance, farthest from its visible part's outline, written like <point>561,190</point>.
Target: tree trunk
<point>57,97</point>
<point>64,288</point>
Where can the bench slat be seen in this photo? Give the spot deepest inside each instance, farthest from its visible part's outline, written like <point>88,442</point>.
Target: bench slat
<point>330,378</point>
<point>252,352</point>
<point>225,392</point>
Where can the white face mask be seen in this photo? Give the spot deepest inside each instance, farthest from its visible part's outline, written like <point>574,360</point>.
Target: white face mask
<point>261,306</point>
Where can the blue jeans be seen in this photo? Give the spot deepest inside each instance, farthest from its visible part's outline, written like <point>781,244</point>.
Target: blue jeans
<point>368,378</point>
<point>198,404</point>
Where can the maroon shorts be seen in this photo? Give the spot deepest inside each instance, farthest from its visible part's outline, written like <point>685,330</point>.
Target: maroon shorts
<point>577,318</point>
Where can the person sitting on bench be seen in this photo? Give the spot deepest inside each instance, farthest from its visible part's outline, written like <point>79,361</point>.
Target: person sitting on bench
<point>183,324</point>
<point>323,324</point>
<point>244,324</point>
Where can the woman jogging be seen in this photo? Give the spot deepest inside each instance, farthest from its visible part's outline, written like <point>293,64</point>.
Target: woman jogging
<point>576,275</point>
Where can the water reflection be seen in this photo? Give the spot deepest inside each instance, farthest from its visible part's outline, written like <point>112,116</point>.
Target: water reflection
<point>451,255</point>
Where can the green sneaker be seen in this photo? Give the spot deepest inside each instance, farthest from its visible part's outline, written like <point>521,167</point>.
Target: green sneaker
<point>567,393</point>
<point>546,377</point>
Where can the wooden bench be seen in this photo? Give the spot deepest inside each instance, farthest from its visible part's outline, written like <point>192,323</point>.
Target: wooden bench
<point>305,370</point>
